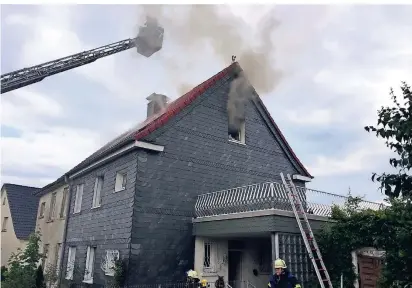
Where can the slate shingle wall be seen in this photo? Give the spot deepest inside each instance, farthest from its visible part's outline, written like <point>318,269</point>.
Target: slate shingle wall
<point>107,227</point>
<point>198,158</point>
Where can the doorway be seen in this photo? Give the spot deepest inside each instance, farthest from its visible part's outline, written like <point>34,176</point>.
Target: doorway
<point>235,268</point>
<point>369,270</point>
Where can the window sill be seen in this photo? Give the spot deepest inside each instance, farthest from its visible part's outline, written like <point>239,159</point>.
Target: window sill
<point>50,221</point>
<point>41,217</point>
<point>237,142</point>
<point>77,212</point>
<point>96,207</point>
<point>88,281</point>
<point>3,230</point>
<point>109,274</point>
<point>115,191</point>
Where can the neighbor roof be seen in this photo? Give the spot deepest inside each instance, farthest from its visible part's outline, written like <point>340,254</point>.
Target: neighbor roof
<point>23,208</point>
<point>148,126</point>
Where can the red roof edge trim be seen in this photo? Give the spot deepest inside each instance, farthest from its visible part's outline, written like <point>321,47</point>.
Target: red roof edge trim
<point>182,102</point>
<point>295,157</point>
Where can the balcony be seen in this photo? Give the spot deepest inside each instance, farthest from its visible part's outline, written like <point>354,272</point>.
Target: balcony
<point>269,196</point>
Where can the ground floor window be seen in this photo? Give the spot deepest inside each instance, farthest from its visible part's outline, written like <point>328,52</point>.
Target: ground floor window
<point>88,273</point>
<point>109,261</point>
<point>71,258</point>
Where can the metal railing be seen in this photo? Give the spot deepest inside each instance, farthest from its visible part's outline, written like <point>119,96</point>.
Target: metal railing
<point>269,195</point>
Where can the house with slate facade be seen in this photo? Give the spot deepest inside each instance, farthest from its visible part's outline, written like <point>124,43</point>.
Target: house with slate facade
<point>18,213</point>
<point>145,196</point>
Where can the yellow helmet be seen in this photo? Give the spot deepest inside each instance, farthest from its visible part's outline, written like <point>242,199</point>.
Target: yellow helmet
<point>279,263</point>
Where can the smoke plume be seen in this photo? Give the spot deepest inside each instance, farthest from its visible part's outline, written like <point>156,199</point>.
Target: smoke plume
<point>218,26</point>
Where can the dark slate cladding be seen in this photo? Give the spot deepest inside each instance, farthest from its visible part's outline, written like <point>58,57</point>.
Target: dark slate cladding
<point>151,221</point>
<point>107,227</point>
<point>198,158</point>
<point>23,208</point>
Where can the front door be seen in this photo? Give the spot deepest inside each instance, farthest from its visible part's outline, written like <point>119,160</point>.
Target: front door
<point>369,270</point>
<point>235,269</point>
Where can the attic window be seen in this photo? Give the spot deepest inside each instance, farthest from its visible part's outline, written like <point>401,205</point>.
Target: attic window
<point>4,201</point>
<point>42,209</point>
<point>237,135</point>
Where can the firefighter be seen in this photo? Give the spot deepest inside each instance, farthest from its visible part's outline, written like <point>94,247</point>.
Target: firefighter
<point>282,278</point>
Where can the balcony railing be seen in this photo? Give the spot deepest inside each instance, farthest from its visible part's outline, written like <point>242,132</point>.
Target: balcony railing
<point>269,195</point>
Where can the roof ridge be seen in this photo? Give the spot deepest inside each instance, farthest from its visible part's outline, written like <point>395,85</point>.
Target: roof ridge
<point>12,184</point>
<point>178,104</point>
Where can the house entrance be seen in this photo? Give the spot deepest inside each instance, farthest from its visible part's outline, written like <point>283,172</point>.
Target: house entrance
<point>235,268</point>
<point>369,271</point>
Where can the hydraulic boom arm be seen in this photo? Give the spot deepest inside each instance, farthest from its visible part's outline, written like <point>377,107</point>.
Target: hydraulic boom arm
<point>27,76</point>
<point>148,41</point>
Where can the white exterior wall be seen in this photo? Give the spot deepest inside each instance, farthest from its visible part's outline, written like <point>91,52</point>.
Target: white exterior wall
<point>52,229</point>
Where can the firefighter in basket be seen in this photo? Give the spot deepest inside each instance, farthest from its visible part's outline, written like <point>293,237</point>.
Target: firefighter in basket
<point>282,278</point>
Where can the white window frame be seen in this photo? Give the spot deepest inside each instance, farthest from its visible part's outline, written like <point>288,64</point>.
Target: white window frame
<point>46,248</point>
<point>89,269</point>
<point>71,258</point>
<point>52,208</point>
<point>63,204</point>
<point>58,257</point>
<point>42,210</point>
<point>120,182</point>
<point>208,246</point>
<point>4,224</point>
<point>109,262</point>
<point>97,192</point>
<point>78,199</point>
<point>242,134</point>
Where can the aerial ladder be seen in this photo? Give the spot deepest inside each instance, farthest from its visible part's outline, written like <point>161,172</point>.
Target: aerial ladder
<point>148,41</point>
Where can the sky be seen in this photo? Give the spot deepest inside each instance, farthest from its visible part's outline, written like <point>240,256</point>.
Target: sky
<point>337,62</point>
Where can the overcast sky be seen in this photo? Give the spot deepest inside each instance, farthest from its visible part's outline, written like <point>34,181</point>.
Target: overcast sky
<point>338,64</point>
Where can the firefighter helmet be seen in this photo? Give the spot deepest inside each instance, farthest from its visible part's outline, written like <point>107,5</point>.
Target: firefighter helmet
<point>279,263</point>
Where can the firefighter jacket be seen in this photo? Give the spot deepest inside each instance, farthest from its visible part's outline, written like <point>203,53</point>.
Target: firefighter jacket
<point>284,280</point>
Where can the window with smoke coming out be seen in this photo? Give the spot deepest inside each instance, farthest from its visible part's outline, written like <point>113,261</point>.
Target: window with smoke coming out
<point>237,134</point>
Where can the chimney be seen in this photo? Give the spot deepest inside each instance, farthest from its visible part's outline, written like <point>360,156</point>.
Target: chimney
<point>157,102</point>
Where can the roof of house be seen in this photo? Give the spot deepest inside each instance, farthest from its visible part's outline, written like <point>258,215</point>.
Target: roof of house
<point>23,208</point>
<point>156,121</point>
<point>50,187</point>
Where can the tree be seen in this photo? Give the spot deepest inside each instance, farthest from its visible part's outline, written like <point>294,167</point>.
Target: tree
<point>22,270</point>
<point>395,126</point>
<point>353,228</point>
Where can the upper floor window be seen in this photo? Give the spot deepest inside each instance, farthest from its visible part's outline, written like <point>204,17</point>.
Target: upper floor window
<point>4,224</point>
<point>98,185</point>
<point>78,198</point>
<point>42,209</point>
<point>120,183</point>
<point>63,204</point>
<point>52,207</point>
<point>237,133</point>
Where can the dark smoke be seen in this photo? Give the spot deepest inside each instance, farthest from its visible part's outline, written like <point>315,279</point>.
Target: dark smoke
<point>225,32</point>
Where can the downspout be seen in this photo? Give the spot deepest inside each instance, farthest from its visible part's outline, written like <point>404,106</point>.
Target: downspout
<point>69,199</point>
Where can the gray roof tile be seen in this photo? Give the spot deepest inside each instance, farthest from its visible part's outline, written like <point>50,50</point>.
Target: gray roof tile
<point>23,208</point>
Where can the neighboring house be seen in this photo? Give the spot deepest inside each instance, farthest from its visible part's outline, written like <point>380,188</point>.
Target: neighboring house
<point>135,197</point>
<point>51,220</point>
<point>18,216</point>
